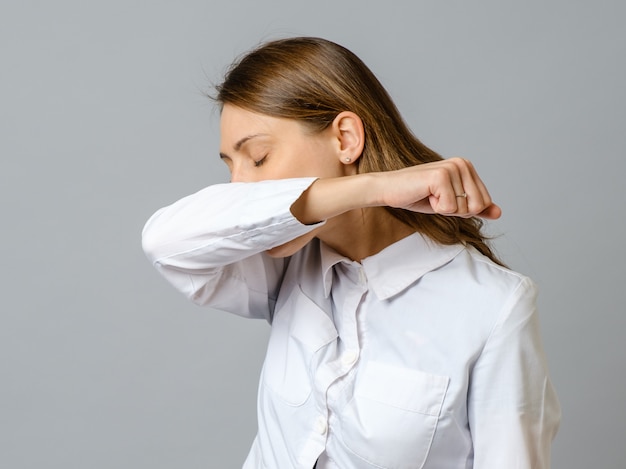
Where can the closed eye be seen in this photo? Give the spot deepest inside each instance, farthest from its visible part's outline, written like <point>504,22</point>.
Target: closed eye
<point>258,163</point>
<point>226,159</point>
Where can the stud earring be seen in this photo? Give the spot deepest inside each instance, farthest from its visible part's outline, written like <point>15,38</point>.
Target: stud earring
<point>347,160</point>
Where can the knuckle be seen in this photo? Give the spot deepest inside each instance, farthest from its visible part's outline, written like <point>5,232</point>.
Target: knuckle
<point>441,174</point>
<point>474,208</point>
<point>458,162</point>
<point>477,206</point>
<point>446,208</point>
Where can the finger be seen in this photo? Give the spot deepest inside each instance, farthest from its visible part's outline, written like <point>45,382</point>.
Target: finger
<point>469,198</point>
<point>460,191</point>
<point>491,213</point>
<point>447,185</point>
<point>485,196</point>
<point>477,194</point>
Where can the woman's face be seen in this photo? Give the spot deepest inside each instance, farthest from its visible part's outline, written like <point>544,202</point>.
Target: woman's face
<point>258,147</point>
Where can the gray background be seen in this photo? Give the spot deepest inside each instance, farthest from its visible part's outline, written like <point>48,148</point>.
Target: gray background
<point>102,119</point>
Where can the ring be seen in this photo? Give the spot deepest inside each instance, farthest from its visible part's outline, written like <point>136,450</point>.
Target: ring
<point>464,195</point>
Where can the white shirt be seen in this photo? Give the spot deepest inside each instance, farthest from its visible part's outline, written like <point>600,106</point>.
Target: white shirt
<point>421,356</point>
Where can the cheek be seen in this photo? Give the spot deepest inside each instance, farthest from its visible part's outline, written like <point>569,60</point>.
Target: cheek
<point>319,162</point>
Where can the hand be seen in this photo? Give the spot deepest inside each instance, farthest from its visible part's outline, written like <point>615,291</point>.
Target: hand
<point>427,188</point>
<point>449,187</point>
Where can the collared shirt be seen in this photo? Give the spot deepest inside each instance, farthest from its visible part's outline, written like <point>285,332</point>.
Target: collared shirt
<point>420,356</point>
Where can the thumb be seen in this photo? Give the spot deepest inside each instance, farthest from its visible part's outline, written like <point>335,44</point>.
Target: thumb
<point>492,212</point>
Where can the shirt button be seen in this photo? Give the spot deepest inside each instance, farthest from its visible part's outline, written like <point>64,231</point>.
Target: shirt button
<point>321,426</point>
<point>349,357</point>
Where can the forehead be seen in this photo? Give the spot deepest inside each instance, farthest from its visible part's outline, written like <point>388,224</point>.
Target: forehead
<point>233,116</point>
<point>237,123</point>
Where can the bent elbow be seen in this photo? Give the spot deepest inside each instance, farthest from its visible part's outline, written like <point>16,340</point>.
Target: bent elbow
<point>152,240</point>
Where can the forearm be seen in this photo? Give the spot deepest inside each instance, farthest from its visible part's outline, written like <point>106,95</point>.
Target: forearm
<point>449,187</point>
<point>327,198</point>
<point>223,224</point>
<point>210,245</point>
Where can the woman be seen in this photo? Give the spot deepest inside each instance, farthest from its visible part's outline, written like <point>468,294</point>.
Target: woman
<point>398,339</point>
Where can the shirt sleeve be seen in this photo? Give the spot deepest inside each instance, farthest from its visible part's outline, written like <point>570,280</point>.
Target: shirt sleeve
<point>211,245</point>
<point>513,410</point>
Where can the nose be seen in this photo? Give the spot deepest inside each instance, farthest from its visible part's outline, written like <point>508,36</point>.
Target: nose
<point>242,172</point>
<point>235,172</point>
<point>236,175</point>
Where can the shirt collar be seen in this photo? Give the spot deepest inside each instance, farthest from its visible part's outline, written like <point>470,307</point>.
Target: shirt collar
<point>330,257</point>
<point>396,267</point>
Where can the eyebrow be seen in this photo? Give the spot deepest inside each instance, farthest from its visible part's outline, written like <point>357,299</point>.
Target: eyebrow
<point>237,146</point>
<point>240,142</point>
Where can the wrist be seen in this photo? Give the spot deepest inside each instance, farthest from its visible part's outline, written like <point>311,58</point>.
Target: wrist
<point>327,198</point>
<point>375,189</point>
<point>360,190</point>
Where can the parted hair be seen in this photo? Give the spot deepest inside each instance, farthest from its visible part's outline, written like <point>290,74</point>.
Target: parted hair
<point>312,80</point>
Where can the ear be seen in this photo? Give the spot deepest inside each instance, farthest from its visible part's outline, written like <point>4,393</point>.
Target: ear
<point>350,136</point>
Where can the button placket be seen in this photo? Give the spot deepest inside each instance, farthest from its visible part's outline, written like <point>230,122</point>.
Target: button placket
<point>362,276</point>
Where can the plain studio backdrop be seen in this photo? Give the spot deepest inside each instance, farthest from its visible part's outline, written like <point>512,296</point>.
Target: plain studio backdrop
<point>103,120</point>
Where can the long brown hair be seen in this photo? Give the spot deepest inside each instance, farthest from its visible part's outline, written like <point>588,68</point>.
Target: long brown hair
<point>312,80</point>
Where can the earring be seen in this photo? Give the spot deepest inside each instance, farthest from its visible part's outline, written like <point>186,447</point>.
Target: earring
<point>347,160</point>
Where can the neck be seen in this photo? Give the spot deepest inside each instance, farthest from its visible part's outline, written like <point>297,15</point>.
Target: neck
<point>362,233</point>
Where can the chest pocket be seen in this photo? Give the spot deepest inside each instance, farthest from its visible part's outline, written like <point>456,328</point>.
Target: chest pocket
<point>300,329</point>
<point>392,418</point>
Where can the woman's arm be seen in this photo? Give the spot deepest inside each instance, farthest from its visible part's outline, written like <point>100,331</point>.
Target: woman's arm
<point>448,187</point>
<point>210,245</point>
<point>513,410</point>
